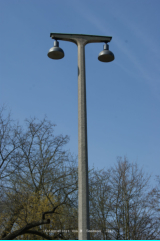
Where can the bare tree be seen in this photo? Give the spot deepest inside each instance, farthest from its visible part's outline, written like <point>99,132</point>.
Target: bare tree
<point>134,218</point>
<point>122,204</point>
<point>42,168</point>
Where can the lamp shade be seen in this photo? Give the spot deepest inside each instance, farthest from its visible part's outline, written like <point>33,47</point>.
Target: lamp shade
<point>106,55</point>
<point>56,52</point>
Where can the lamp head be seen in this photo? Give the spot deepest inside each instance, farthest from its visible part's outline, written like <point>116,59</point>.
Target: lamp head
<point>106,55</point>
<point>55,52</point>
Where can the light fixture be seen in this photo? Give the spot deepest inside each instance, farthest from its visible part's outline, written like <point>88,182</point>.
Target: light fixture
<point>56,52</point>
<point>106,55</point>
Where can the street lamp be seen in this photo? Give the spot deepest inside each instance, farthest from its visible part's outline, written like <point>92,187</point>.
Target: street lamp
<point>105,56</point>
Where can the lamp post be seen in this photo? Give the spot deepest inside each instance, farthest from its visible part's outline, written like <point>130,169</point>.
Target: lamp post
<point>105,56</point>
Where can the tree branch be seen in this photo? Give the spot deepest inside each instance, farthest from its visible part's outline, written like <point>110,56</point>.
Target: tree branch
<point>25,229</point>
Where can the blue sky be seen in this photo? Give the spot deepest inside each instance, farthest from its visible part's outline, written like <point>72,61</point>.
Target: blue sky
<point>123,97</point>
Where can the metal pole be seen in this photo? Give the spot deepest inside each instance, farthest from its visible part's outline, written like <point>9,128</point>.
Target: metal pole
<point>83,195</point>
<point>83,190</point>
